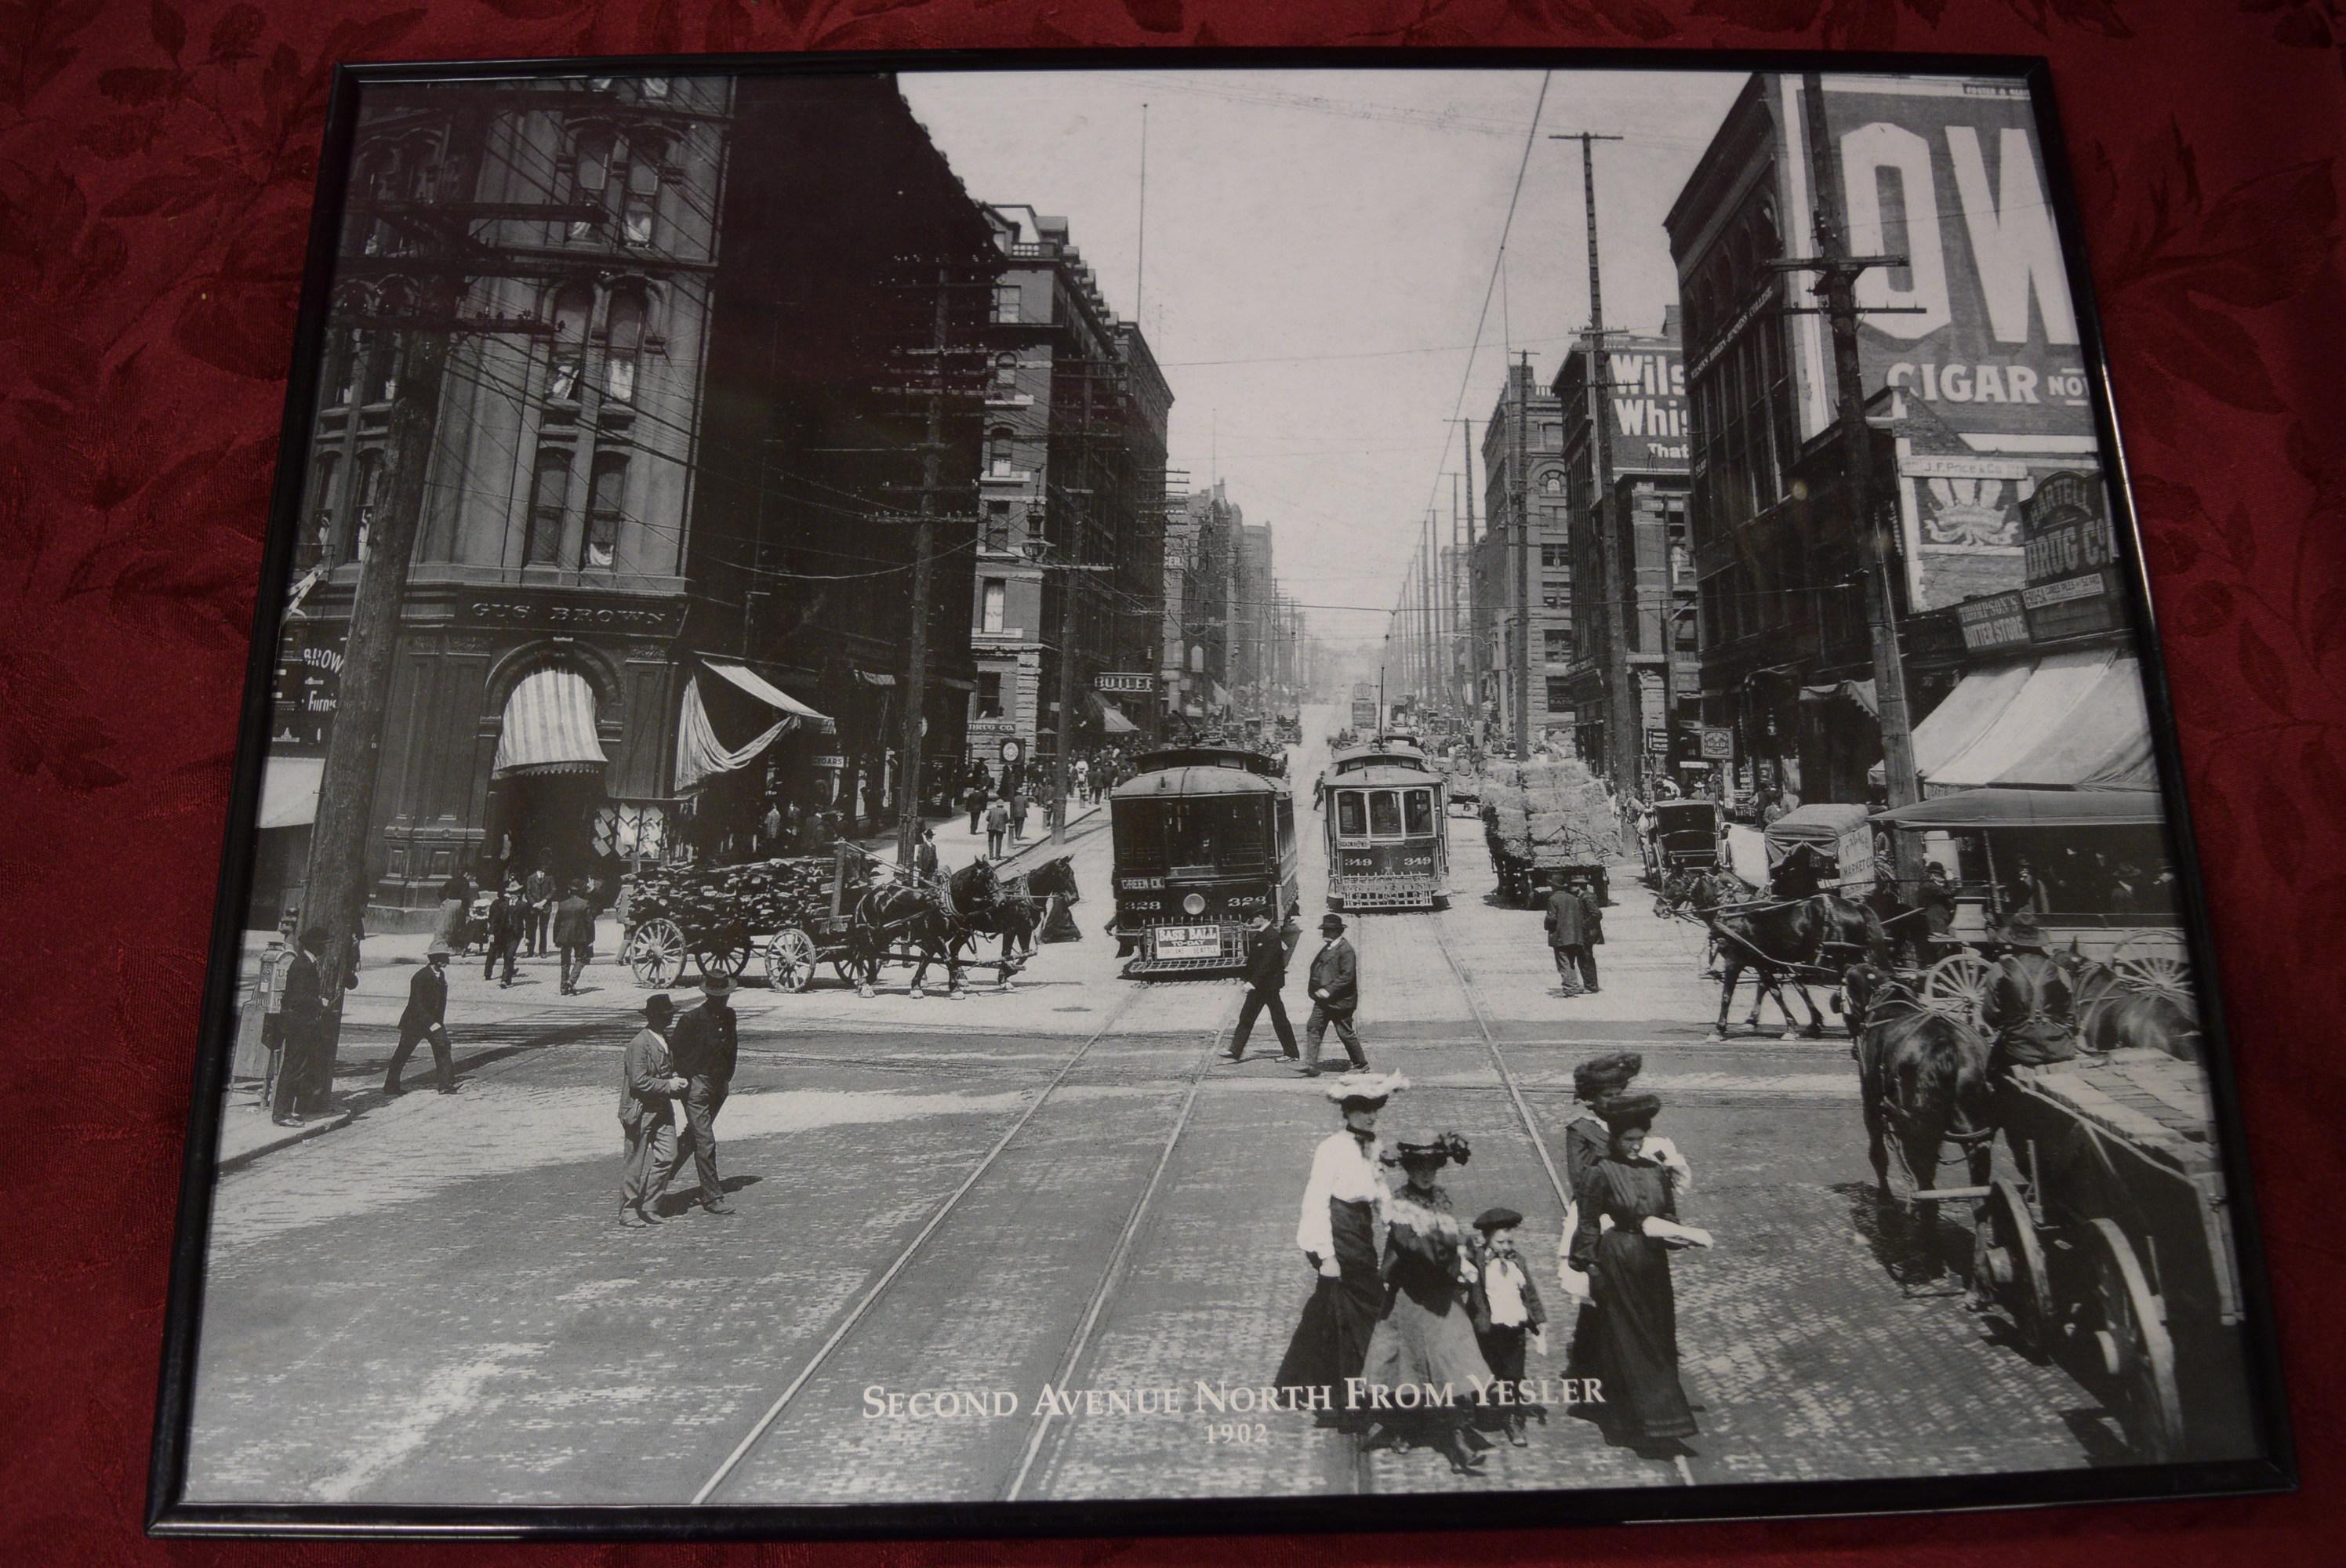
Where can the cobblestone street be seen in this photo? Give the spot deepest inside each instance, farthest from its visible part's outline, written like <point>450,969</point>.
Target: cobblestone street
<point>1062,1184</point>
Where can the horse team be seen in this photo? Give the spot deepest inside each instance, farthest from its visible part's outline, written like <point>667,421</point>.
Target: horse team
<point>942,921</point>
<point>1927,1073</point>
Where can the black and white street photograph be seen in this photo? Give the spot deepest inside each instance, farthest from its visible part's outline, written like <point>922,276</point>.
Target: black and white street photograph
<point>1163,783</point>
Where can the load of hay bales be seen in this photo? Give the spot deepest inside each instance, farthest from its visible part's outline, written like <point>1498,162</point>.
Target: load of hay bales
<point>1568,816</point>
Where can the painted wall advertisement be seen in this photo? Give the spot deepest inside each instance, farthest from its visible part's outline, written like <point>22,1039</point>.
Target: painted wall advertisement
<point>1978,325</point>
<point>1646,381</point>
<point>2071,552</point>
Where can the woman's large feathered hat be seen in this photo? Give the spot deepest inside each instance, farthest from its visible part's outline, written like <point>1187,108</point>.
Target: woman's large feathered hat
<point>1423,1147</point>
<point>1366,1088</point>
<point>1602,1075</point>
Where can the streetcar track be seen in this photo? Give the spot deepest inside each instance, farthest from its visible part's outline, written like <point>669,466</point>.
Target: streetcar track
<point>880,1286</point>
<point>1062,1375</point>
<point>1523,1110</point>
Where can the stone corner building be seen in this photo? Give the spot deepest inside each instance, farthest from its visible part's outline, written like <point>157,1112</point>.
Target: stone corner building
<point>678,434</point>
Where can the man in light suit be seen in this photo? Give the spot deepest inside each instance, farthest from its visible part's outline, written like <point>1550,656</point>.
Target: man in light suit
<point>1335,996</point>
<point>648,1087</point>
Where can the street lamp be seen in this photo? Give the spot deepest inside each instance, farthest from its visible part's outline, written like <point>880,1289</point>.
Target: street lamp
<point>1035,548</point>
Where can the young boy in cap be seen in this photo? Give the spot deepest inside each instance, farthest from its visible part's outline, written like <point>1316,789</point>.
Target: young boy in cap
<point>1506,1309</point>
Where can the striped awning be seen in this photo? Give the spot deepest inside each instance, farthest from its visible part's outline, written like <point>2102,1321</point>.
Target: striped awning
<point>549,727</point>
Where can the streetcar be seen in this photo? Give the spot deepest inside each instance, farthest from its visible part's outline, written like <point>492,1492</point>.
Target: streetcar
<point>1387,824</point>
<point>1204,840</point>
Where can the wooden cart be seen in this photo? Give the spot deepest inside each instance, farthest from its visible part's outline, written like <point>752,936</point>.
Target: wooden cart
<point>2106,1240</point>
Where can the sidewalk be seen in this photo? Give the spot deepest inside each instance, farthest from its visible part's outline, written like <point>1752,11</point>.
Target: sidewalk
<point>492,1013</point>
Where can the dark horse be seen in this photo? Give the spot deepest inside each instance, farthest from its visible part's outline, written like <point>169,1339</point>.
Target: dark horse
<point>929,919</point>
<point>2114,1014</point>
<point>1021,906</point>
<point>1922,1082</point>
<point>1777,940</point>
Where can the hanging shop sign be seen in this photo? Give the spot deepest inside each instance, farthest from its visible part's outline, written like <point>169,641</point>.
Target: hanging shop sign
<point>1138,683</point>
<point>1995,621</point>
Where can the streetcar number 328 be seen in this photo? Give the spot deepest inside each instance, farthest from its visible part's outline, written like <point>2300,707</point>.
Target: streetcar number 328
<point>1237,1432</point>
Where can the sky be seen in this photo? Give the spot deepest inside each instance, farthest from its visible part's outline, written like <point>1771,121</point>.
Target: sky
<point>1318,248</point>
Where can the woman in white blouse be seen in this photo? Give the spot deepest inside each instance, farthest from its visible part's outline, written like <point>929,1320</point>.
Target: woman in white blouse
<point>1346,1208</point>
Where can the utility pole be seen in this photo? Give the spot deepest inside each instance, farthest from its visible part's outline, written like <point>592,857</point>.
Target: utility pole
<point>1836,287</point>
<point>916,652</point>
<point>1520,480</point>
<point>1451,649</point>
<point>1624,723</point>
<point>1481,658</point>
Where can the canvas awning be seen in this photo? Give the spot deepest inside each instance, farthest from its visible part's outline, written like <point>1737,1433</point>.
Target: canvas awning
<point>1974,809</point>
<point>747,679</point>
<point>1860,692</point>
<point>549,727</point>
<point>1819,824</point>
<point>288,791</point>
<point>1978,699</point>
<point>2104,745</point>
<point>700,756</point>
<point>2046,703</point>
<point>1114,722</point>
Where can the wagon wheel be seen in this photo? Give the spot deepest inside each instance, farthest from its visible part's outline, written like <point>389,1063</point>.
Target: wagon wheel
<point>841,967</point>
<point>2126,1325</point>
<point>725,950</point>
<point>656,953</point>
<point>1958,984</point>
<point>2008,1262</point>
<point>2154,964</point>
<point>789,960</point>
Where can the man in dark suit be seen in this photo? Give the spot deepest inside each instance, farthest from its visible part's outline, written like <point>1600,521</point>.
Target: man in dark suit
<point>574,934</point>
<point>301,1082</point>
<point>1574,929</point>
<point>1268,947</point>
<point>703,1052</point>
<point>925,856</point>
<point>1335,996</point>
<point>508,920</point>
<point>649,1086</point>
<point>425,1018</point>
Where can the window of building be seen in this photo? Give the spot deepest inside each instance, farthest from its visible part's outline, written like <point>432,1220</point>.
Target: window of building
<point>342,371</point>
<point>606,505</point>
<point>1008,302</point>
<point>1559,645</point>
<point>624,338</point>
<point>319,539</point>
<point>997,525</point>
<point>1552,436</point>
<point>1553,483</point>
<point>1000,450</point>
<point>639,207</point>
<point>996,598</point>
<point>572,308</point>
<point>379,381</point>
<point>370,496</point>
<point>549,496</point>
<point>1551,602</point>
<point>1559,694</point>
<point>590,176</point>
<point>1006,374</point>
<point>1555,557</point>
<point>989,694</point>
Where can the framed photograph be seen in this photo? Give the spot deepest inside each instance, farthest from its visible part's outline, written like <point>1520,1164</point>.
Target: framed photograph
<point>993,797</point>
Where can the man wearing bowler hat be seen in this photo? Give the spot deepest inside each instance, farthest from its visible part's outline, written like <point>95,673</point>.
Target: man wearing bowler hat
<point>425,1018</point>
<point>649,1086</point>
<point>1335,996</point>
<point>702,1052</point>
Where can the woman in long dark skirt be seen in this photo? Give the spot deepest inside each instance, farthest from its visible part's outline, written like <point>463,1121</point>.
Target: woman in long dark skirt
<point>1345,1207</point>
<point>1634,1311</point>
<point>1426,1338</point>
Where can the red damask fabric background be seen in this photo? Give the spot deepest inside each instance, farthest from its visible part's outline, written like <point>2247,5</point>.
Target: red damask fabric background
<point>157,161</point>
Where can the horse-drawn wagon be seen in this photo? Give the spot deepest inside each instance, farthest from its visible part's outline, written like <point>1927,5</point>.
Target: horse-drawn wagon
<point>2106,1240</point>
<point>1546,823</point>
<point>801,914</point>
<point>1682,836</point>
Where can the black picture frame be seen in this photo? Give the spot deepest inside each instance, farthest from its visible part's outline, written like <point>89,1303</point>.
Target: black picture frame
<point>169,1513</point>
